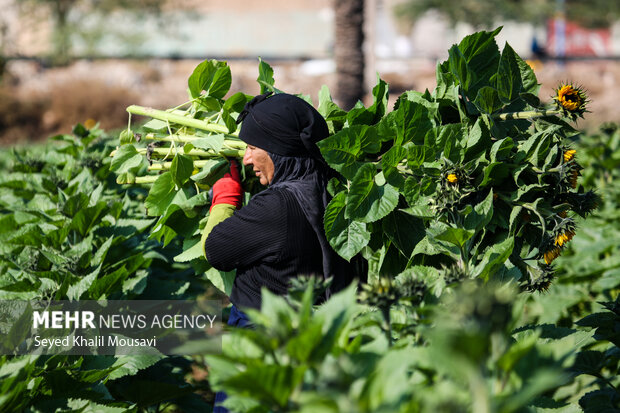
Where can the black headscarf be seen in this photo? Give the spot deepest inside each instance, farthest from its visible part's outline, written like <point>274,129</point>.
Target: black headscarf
<point>283,124</point>
<point>287,127</point>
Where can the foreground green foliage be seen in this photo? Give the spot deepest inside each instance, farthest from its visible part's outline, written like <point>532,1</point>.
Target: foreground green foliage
<point>471,351</point>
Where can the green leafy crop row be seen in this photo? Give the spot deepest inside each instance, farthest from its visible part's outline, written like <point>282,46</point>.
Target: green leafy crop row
<point>69,232</point>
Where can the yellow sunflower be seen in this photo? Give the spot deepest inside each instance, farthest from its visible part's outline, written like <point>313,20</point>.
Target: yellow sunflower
<point>569,155</point>
<point>564,237</point>
<point>572,100</point>
<point>452,178</point>
<point>551,254</point>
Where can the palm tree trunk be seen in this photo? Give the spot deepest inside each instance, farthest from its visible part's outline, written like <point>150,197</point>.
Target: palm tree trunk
<point>348,52</point>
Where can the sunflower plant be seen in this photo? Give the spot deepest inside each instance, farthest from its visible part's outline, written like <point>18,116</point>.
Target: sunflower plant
<point>478,174</point>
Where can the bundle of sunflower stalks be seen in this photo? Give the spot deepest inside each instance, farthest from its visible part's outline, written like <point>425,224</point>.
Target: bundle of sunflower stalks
<point>176,139</point>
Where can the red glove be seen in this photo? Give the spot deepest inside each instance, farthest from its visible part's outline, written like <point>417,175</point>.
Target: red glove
<point>227,190</point>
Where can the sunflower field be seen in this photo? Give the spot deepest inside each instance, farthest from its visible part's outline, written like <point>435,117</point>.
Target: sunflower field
<point>490,225</point>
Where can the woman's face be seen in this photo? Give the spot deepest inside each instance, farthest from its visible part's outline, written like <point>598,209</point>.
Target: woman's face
<point>261,163</point>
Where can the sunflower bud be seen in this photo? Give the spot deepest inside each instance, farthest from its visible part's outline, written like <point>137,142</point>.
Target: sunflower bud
<point>540,280</point>
<point>564,232</point>
<point>571,100</point>
<point>411,290</point>
<point>454,274</point>
<point>381,293</point>
<point>555,243</point>
<point>584,203</point>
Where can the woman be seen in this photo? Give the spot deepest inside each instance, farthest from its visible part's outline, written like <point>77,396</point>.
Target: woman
<point>279,234</point>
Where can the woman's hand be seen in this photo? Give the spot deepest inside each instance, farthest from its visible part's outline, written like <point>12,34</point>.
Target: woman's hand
<point>228,190</point>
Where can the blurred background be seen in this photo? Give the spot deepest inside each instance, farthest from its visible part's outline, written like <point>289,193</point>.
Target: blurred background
<point>68,61</point>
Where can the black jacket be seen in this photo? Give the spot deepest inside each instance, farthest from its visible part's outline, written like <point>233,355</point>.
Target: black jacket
<point>268,241</point>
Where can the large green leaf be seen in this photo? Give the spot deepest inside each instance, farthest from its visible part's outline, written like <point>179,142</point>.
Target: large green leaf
<point>127,159</point>
<point>404,230</point>
<point>501,149</point>
<point>360,115</point>
<point>369,199</point>
<point>327,108</point>
<point>380,99</point>
<point>265,77</point>
<point>89,406</point>
<point>456,236</point>
<point>346,236</point>
<point>336,313</point>
<point>493,259</point>
<point>508,77</point>
<point>342,150</point>
<point>190,252</point>
<point>409,123</point>
<point>488,100</point>
<point>528,77</point>
<point>494,173</point>
<point>211,171</point>
<point>130,365</point>
<point>76,290</point>
<point>389,163</point>
<point>223,281</point>
<point>477,140</point>
<point>236,102</point>
<point>449,133</point>
<point>388,383</point>
<point>108,284</point>
<point>211,76</point>
<point>86,218</point>
<point>301,346</point>
<point>160,195</point>
<point>482,56</point>
<point>209,142</point>
<point>424,99</point>
<point>481,214</point>
<point>74,204</point>
<point>418,154</point>
<point>181,169</point>
<point>460,69</point>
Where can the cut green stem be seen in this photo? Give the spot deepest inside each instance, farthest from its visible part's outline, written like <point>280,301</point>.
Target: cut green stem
<point>232,142</point>
<point>165,166</point>
<point>178,119</point>
<point>531,114</point>
<point>229,153</point>
<point>147,179</point>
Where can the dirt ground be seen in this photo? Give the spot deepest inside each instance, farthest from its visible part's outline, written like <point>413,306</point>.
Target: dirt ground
<point>36,102</point>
